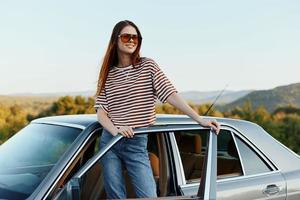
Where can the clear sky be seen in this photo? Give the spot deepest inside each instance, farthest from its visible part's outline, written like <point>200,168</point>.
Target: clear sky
<point>58,45</point>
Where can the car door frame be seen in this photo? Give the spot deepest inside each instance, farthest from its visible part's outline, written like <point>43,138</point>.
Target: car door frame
<point>207,188</point>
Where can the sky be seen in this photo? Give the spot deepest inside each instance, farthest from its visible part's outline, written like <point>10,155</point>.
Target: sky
<point>57,46</point>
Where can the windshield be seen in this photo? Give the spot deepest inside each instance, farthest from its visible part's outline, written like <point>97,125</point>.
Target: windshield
<point>27,157</point>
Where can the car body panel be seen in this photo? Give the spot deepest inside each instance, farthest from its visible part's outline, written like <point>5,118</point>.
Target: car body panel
<point>244,187</point>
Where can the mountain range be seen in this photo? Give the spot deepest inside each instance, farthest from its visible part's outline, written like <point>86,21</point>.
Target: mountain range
<point>226,96</point>
<point>270,99</point>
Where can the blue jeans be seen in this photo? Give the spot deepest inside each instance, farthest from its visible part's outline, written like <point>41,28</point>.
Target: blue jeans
<point>133,154</point>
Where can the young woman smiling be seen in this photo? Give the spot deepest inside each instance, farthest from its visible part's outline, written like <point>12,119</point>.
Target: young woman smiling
<point>128,87</point>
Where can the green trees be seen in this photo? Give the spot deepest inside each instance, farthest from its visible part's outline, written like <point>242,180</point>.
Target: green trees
<point>290,132</point>
<point>283,123</point>
<point>12,119</point>
<point>15,117</point>
<point>68,105</point>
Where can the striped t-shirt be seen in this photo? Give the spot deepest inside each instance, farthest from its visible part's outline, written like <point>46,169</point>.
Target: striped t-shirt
<point>130,93</point>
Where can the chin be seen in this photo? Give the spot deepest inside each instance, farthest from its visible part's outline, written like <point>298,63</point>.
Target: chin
<point>129,51</point>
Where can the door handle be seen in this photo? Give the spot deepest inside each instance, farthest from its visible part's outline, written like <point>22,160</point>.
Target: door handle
<point>271,189</point>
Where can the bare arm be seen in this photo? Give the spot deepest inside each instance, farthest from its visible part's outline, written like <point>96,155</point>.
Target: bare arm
<point>105,121</point>
<point>177,101</point>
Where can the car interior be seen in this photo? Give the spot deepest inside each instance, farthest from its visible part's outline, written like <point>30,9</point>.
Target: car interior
<point>192,151</point>
<point>92,183</point>
<point>192,147</point>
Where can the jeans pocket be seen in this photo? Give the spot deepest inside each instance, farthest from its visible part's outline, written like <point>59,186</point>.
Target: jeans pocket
<point>137,144</point>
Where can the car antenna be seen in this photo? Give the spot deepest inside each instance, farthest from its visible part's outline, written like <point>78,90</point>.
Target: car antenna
<point>211,105</point>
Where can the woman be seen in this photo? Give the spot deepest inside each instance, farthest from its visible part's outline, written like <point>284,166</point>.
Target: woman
<point>128,87</point>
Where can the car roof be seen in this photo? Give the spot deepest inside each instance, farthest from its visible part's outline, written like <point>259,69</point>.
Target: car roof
<point>84,120</point>
<point>264,141</point>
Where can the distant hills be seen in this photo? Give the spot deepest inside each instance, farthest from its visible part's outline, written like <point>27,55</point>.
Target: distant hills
<point>228,96</point>
<point>195,97</point>
<point>53,94</point>
<point>270,99</point>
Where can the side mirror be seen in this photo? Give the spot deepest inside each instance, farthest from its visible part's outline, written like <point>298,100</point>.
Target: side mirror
<point>70,192</point>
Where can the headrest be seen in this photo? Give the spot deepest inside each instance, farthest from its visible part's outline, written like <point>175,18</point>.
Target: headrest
<point>198,144</point>
<point>154,161</point>
<point>190,143</point>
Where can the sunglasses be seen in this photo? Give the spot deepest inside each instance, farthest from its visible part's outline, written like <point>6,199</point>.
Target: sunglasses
<point>127,37</point>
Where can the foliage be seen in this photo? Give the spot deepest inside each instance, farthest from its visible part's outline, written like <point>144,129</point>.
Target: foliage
<point>68,105</point>
<point>283,123</point>
<point>12,119</point>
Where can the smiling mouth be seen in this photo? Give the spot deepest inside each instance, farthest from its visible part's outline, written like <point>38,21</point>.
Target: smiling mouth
<point>130,46</point>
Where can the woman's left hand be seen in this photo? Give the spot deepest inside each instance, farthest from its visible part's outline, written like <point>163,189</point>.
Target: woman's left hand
<point>211,123</point>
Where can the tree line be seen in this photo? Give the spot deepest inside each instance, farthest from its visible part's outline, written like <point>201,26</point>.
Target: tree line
<point>283,123</point>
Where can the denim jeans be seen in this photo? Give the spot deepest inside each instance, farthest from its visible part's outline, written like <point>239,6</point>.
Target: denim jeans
<point>133,154</point>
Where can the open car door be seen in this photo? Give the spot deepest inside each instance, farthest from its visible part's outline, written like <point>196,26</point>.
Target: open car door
<point>207,189</point>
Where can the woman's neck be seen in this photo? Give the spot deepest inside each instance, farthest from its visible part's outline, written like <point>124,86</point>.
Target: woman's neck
<point>124,60</point>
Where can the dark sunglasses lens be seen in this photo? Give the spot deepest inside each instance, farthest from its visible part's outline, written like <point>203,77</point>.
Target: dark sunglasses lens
<point>135,38</point>
<point>125,38</point>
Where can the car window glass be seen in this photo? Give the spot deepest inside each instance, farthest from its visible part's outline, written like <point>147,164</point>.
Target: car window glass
<point>29,155</point>
<point>192,148</point>
<point>252,163</point>
<point>229,164</point>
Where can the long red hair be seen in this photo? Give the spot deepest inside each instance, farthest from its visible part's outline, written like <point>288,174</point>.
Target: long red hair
<point>111,57</point>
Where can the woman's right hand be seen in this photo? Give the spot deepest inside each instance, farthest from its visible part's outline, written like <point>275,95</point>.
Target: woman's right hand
<point>126,131</point>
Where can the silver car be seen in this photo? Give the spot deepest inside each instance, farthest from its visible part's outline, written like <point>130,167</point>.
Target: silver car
<point>58,158</point>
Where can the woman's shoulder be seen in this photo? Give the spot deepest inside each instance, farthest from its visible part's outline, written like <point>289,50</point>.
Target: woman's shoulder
<point>146,60</point>
<point>149,63</point>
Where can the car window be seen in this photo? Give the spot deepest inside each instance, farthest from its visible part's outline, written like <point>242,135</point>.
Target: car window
<point>87,152</point>
<point>192,149</point>
<point>252,163</point>
<point>29,155</point>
